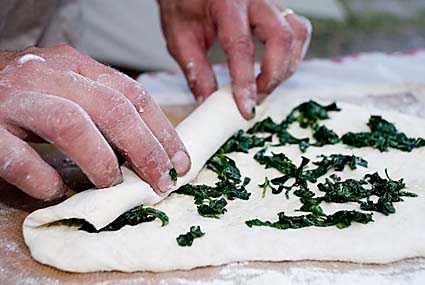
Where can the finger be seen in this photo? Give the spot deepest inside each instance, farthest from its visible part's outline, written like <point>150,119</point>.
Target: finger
<point>301,28</point>
<point>119,122</point>
<point>21,166</point>
<point>234,34</point>
<point>272,29</point>
<point>191,55</point>
<point>158,124</point>
<point>152,116</point>
<point>66,125</point>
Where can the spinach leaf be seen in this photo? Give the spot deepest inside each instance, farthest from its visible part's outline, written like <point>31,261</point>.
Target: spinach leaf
<point>225,168</point>
<point>242,143</point>
<point>265,185</point>
<point>308,114</point>
<point>277,161</point>
<point>340,219</point>
<point>173,174</point>
<point>132,217</point>
<point>187,239</point>
<point>325,136</point>
<point>209,199</point>
<point>382,136</point>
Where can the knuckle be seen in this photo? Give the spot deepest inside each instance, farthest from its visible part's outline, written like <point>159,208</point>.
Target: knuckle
<point>285,37</point>
<point>142,99</point>
<point>304,29</point>
<point>66,49</point>
<point>68,122</point>
<point>240,45</point>
<point>11,162</point>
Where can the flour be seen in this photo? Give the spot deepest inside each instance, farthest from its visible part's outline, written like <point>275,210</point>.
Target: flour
<point>30,57</point>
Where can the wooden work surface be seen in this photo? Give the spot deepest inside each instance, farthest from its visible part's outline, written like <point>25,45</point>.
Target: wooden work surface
<point>17,266</point>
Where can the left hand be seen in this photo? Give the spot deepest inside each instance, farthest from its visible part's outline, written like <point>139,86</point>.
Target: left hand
<point>191,27</point>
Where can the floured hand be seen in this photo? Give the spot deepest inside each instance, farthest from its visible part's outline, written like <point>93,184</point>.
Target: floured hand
<point>86,109</point>
<point>191,27</point>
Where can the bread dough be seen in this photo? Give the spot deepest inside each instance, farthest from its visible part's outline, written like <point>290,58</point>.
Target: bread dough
<point>150,247</point>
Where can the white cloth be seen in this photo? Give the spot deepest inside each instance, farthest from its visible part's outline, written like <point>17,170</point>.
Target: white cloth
<point>170,88</point>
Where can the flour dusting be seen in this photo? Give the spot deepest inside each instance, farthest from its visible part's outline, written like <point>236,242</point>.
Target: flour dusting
<point>29,57</point>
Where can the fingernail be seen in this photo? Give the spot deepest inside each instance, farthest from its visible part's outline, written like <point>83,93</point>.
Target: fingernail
<point>181,162</point>
<point>165,183</point>
<point>200,100</point>
<point>57,194</point>
<point>261,97</point>
<point>250,105</point>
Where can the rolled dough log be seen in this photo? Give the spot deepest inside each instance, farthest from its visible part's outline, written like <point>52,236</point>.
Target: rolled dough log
<point>153,248</point>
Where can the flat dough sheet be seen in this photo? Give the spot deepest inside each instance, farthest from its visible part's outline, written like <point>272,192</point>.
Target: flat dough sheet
<point>150,247</point>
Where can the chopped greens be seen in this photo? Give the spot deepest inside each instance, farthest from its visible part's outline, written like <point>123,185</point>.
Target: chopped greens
<point>382,136</point>
<point>324,136</point>
<point>387,190</point>
<point>286,138</point>
<point>209,199</point>
<point>132,217</point>
<point>340,219</point>
<point>279,161</point>
<point>308,115</point>
<point>267,126</point>
<point>173,174</point>
<point>266,184</point>
<point>187,239</point>
<point>225,168</point>
<point>283,164</point>
<point>242,143</point>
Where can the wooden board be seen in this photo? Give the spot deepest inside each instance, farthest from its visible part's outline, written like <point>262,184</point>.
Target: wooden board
<point>17,266</point>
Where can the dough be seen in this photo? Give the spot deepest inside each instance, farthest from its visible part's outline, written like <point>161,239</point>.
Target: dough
<point>150,247</point>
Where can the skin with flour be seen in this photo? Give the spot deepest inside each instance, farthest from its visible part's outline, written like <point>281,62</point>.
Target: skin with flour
<point>66,98</point>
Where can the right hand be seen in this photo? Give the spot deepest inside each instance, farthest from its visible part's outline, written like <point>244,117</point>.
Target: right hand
<point>83,107</point>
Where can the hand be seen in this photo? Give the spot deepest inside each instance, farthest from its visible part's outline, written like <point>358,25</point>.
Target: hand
<point>86,109</point>
<point>191,26</point>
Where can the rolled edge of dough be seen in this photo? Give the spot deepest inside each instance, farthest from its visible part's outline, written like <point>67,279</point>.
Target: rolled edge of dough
<point>203,132</point>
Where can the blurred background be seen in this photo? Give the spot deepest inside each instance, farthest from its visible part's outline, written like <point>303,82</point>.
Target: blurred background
<point>127,34</point>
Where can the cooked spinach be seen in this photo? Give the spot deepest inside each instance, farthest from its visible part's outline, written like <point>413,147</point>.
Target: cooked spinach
<point>325,136</point>
<point>267,126</point>
<point>387,190</point>
<point>187,239</point>
<point>225,168</point>
<point>340,219</point>
<point>382,136</point>
<point>173,174</point>
<point>209,199</point>
<point>132,217</point>
<point>266,184</point>
<point>308,114</point>
<point>242,143</point>
<point>278,161</point>
<point>301,176</point>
